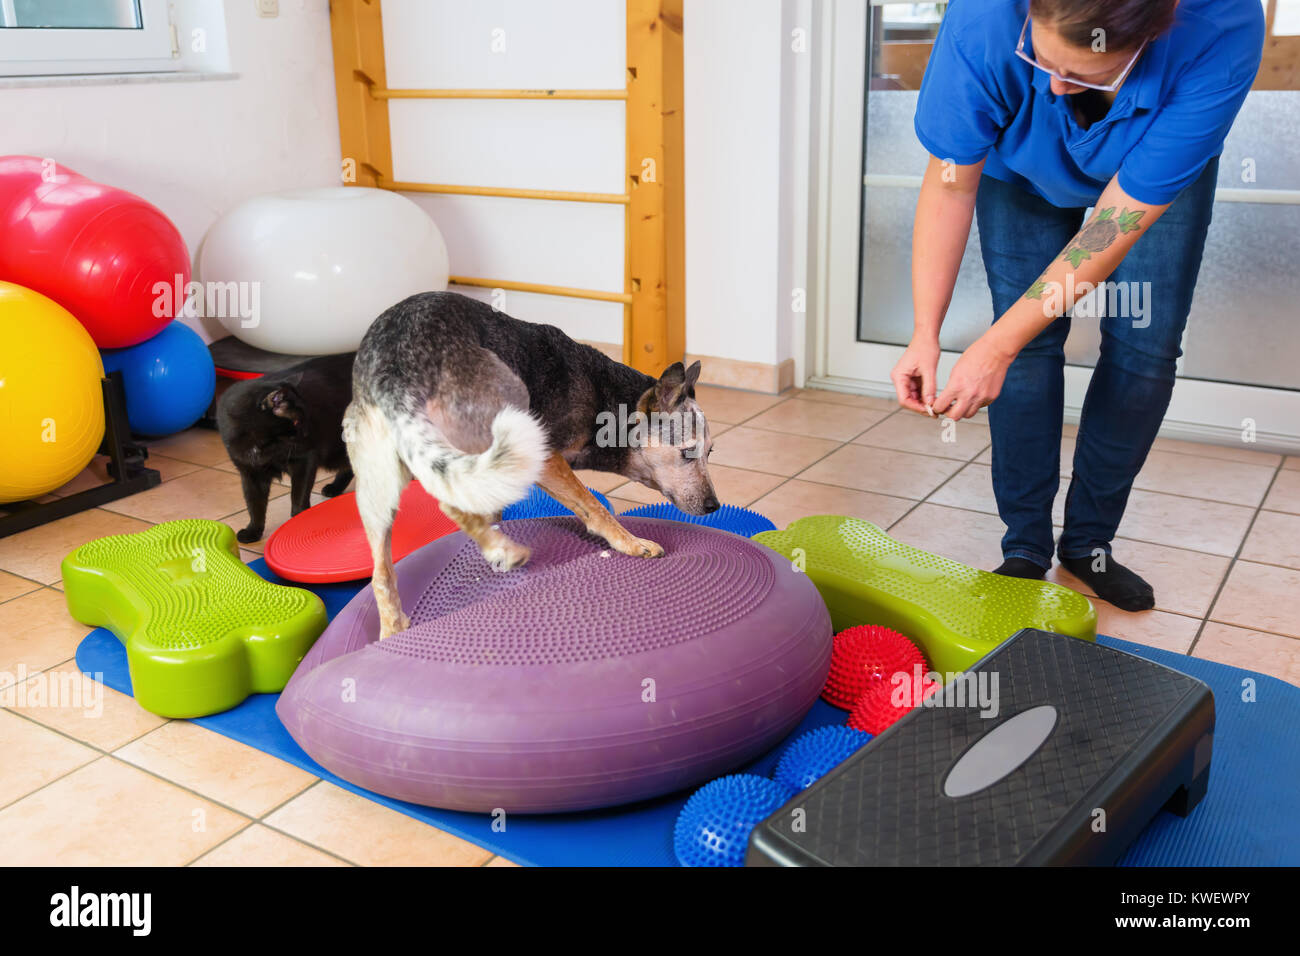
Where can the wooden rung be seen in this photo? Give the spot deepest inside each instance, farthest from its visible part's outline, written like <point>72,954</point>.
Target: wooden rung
<point>357,33</point>
<point>554,194</point>
<point>543,289</point>
<point>381,93</point>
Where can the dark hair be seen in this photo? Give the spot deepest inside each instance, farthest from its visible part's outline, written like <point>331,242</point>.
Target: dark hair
<point>1126,22</point>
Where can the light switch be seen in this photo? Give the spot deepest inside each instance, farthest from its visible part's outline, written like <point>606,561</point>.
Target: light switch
<point>268,8</point>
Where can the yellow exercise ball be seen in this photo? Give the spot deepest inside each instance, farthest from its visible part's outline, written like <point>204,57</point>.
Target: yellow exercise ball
<point>51,402</point>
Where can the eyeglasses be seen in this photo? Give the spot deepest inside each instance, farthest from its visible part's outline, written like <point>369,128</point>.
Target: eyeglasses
<point>1104,87</point>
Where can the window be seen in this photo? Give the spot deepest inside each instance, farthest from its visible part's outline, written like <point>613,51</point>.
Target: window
<point>56,37</point>
<point>902,35</point>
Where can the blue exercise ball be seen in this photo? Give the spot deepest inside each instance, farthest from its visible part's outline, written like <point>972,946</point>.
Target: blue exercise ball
<point>169,380</point>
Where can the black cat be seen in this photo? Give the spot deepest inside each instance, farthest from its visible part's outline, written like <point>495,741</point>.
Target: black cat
<point>288,421</point>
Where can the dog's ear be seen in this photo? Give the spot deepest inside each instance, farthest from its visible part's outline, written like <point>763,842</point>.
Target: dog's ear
<point>671,388</point>
<point>692,376</point>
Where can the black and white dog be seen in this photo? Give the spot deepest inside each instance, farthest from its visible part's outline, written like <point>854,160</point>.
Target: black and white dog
<point>478,406</point>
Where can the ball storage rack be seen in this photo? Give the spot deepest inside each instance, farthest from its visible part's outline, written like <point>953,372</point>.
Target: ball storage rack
<point>126,468</point>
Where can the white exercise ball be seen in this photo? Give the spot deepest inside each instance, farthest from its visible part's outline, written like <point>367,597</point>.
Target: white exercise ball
<point>314,267</point>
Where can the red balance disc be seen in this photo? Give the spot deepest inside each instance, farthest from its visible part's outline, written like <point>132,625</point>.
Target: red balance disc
<point>327,543</point>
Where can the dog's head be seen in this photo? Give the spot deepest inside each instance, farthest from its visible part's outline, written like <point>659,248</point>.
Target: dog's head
<point>671,454</point>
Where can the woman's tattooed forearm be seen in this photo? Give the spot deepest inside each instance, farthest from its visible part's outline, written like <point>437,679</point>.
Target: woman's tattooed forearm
<point>1097,236</point>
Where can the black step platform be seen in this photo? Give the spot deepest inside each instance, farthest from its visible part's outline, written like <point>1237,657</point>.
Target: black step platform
<point>1087,745</point>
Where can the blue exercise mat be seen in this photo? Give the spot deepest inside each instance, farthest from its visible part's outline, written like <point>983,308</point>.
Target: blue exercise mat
<point>1248,817</point>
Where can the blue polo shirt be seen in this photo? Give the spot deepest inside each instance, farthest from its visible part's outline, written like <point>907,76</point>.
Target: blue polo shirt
<point>980,101</point>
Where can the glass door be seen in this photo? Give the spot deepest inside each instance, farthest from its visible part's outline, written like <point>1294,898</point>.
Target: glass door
<point>1241,359</point>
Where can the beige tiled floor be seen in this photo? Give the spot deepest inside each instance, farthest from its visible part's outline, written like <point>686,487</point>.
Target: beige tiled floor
<point>90,778</point>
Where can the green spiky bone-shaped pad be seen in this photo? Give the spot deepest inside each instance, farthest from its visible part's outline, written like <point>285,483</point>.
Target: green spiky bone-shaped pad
<point>957,614</point>
<point>202,631</point>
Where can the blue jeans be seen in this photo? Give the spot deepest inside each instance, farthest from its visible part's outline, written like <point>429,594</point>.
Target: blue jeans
<point>1131,386</point>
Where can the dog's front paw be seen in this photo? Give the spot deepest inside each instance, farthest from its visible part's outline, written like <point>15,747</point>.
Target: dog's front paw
<point>507,557</point>
<point>386,630</point>
<point>641,548</point>
<point>333,489</point>
<point>248,535</point>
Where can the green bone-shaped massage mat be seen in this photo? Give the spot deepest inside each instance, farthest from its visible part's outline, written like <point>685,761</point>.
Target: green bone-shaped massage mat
<point>956,613</point>
<point>202,631</point>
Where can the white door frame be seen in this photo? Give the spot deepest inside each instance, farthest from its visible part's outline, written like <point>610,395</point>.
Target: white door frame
<point>1216,412</point>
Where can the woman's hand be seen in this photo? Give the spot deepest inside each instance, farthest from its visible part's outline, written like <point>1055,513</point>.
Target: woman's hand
<point>913,376</point>
<point>975,381</point>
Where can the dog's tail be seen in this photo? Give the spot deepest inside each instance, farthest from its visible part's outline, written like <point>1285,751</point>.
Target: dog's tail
<point>482,483</point>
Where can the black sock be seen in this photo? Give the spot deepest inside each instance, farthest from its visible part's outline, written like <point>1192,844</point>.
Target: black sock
<point>1021,568</point>
<point>1114,583</point>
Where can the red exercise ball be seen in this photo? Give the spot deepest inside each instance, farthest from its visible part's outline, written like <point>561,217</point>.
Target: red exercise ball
<point>864,655</point>
<point>19,175</point>
<point>99,252</point>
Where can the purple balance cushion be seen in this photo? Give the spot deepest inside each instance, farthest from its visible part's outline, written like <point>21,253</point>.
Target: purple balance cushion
<point>582,680</point>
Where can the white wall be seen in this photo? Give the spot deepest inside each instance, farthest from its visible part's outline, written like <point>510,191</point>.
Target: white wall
<point>748,108</point>
<point>732,51</point>
<point>801,27</point>
<point>570,145</point>
<point>195,148</point>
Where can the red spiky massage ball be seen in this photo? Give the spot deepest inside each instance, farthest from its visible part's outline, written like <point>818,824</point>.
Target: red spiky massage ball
<point>876,709</point>
<point>864,655</point>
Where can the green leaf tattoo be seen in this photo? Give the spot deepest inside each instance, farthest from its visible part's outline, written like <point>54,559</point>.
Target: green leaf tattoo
<point>1036,290</point>
<point>1128,221</point>
<point>1077,255</point>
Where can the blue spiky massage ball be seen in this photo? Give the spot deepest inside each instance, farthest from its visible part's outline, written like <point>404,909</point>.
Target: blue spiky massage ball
<point>713,828</point>
<point>739,521</point>
<point>539,504</point>
<point>812,755</point>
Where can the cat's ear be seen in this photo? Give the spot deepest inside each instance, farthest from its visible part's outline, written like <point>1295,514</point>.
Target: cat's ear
<point>282,401</point>
<point>286,391</point>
